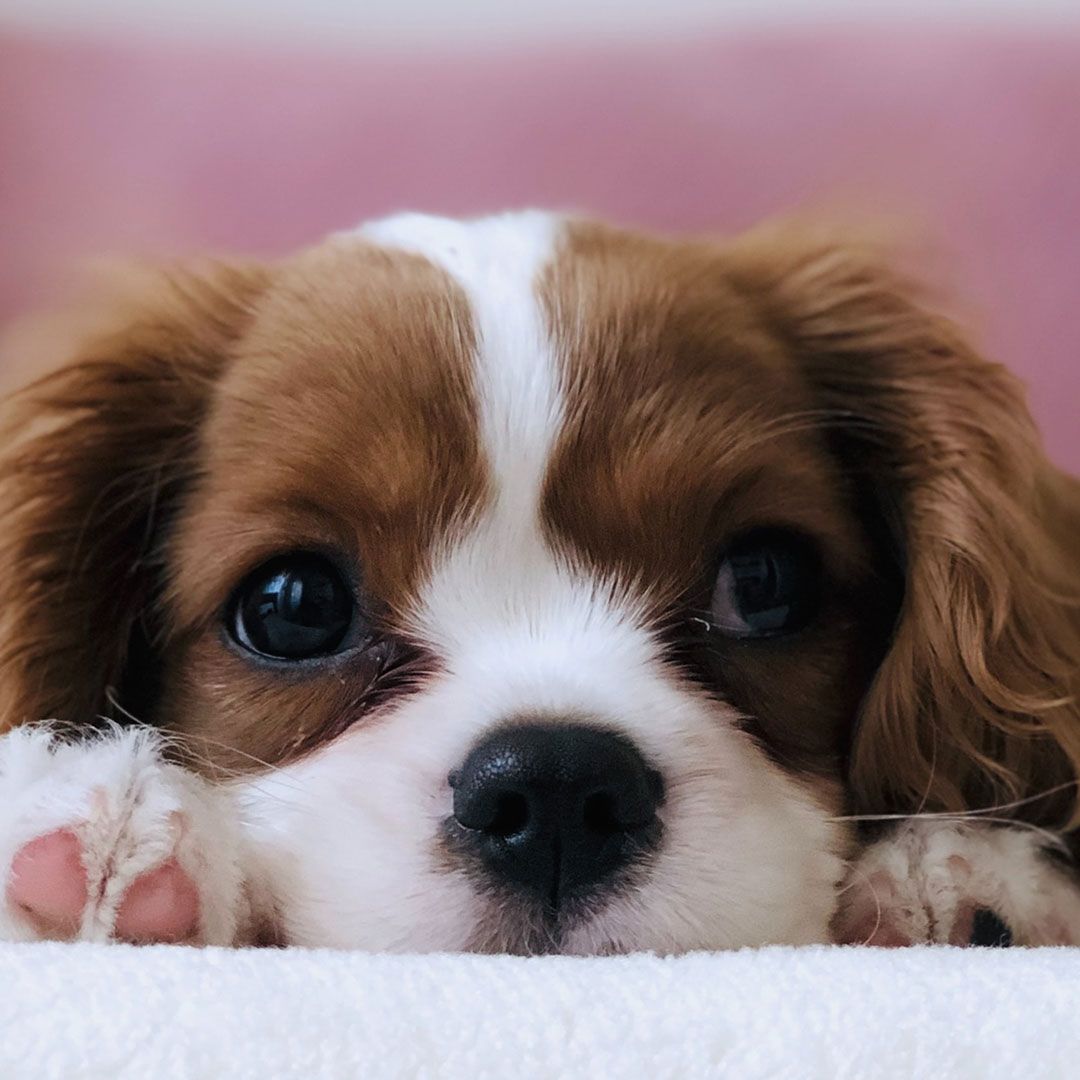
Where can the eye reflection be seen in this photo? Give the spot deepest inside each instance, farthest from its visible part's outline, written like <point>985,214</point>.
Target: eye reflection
<point>294,607</point>
<point>768,584</point>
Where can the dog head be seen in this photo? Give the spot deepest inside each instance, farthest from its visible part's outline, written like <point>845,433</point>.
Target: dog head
<point>539,586</point>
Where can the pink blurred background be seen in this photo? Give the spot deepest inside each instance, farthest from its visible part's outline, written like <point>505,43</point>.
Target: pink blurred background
<point>138,140</point>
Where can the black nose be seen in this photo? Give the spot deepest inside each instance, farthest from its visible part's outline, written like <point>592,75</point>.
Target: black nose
<point>557,810</point>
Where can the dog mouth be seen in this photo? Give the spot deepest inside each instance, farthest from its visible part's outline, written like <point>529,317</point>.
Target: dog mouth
<point>517,926</point>
<point>525,921</point>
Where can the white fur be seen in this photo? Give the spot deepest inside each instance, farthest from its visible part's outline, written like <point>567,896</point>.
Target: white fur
<point>496,261</point>
<point>131,812</point>
<point>913,884</point>
<point>747,857</point>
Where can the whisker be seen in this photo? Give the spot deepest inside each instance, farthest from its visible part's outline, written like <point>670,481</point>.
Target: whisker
<point>933,773</point>
<point>868,881</point>
<point>989,813</point>
<point>963,814</point>
<point>186,742</point>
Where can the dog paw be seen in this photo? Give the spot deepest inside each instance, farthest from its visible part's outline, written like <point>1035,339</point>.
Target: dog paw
<point>949,883</point>
<point>104,840</point>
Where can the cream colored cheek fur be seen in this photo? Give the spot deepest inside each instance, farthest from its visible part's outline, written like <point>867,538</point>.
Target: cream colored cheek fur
<point>347,838</point>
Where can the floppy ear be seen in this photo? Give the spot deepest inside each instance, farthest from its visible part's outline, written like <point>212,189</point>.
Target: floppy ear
<point>93,458</point>
<point>975,701</point>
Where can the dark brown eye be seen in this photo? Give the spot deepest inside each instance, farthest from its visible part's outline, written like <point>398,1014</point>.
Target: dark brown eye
<point>768,583</point>
<point>295,607</point>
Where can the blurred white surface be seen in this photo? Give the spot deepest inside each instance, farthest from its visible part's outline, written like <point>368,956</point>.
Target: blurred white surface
<point>430,22</point>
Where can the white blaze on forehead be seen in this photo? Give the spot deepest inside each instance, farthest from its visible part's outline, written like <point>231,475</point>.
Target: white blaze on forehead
<point>503,577</point>
<point>497,262</point>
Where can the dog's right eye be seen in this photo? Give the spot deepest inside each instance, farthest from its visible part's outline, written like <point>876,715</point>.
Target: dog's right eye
<point>768,584</point>
<point>295,607</point>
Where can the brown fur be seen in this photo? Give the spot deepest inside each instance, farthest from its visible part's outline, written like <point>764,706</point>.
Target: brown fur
<point>786,378</point>
<point>352,392</point>
<point>93,456</point>
<point>688,424</point>
<point>976,702</point>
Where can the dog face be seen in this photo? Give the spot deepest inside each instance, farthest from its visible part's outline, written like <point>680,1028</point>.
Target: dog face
<point>535,585</point>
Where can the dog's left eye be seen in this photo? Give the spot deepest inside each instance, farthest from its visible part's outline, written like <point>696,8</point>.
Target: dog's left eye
<point>768,584</point>
<point>293,608</point>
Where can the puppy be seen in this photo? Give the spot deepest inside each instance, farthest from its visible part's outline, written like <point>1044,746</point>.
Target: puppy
<point>527,585</point>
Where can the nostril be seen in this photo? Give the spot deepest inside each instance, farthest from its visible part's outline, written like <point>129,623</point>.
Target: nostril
<point>610,811</point>
<point>491,809</point>
<point>511,815</point>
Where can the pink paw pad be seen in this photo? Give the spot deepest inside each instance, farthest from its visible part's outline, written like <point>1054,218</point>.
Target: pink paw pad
<point>48,883</point>
<point>867,918</point>
<point>160,906</point>
<point>873,931</point>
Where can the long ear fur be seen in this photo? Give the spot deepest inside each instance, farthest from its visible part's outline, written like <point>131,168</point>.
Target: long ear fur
<point>975,703</point>
<point>92,460</point>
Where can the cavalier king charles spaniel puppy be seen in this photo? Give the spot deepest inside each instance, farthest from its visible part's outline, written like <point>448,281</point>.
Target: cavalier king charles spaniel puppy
<point>529,585</point>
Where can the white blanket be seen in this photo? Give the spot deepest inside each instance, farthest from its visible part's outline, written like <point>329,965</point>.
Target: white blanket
<point>156,1013</point>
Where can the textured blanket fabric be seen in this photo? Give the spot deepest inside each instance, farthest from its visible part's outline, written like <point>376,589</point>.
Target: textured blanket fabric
<point>116,1012</point>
